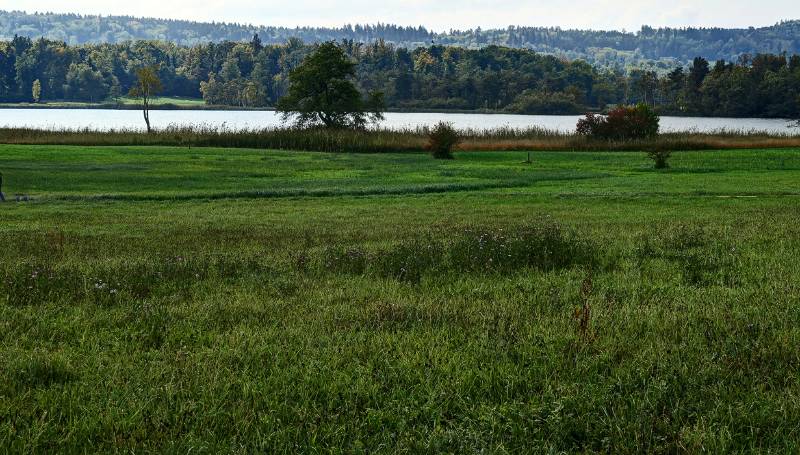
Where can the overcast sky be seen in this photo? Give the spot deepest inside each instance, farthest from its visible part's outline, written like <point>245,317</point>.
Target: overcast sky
<point>443,14</point>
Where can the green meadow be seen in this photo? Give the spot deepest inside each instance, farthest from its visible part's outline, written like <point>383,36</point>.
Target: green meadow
<point>176,299</point>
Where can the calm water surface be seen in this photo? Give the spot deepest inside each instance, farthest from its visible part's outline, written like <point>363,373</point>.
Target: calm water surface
<point>102,119</point>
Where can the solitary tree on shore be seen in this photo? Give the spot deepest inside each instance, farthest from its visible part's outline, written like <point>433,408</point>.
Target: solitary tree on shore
<point>147,85</point>
<point>322,93</point>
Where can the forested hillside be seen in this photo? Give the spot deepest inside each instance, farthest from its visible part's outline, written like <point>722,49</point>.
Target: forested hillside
<point>660,49</point>
<point>254,74</point>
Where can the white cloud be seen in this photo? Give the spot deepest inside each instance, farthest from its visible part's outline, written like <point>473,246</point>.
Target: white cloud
<point>444,14</point>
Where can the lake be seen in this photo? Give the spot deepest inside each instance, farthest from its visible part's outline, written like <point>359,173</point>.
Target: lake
<point>104,119</point>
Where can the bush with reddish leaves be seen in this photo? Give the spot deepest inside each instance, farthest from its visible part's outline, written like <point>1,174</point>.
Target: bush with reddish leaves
<point>622,123</point>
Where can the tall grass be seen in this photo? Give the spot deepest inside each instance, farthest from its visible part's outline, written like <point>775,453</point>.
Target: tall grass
<point>390,140</point>
<point>313,139</point>
<point>543,245</point>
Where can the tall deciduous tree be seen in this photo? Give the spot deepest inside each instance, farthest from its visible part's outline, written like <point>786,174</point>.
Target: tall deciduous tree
<point>147,85</point>
<point>322,93</point>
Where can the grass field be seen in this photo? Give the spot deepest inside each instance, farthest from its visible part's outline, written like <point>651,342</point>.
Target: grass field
<point>157,299</point>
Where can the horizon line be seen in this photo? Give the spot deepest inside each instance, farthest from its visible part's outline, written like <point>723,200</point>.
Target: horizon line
<point>432,30</point>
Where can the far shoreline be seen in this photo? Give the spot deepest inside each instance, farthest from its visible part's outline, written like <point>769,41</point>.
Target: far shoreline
<point>394,110</point>
<point>216,107</point>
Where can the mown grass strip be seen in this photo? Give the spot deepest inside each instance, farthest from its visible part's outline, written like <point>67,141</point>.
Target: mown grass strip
<point>319,192</point>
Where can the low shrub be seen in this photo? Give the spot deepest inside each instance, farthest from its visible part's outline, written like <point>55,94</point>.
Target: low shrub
<point>621,124</point>
<point>441,140</point>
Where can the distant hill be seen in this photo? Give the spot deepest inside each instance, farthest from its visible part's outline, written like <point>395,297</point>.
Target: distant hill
<point>660,48</point>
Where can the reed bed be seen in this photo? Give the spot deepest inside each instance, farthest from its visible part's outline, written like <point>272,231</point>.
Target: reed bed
<point>391,140</point>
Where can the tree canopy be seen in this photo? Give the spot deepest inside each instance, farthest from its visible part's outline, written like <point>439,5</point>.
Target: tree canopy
<point>254,74</point>
<point>653,48</point>
<point>322,93</point>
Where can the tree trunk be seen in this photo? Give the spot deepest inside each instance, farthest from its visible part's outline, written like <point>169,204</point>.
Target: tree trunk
<point>146,110</point>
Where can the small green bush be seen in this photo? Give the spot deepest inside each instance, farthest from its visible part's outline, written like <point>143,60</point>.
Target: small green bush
<point>660,157</point>
<point>441,140</point>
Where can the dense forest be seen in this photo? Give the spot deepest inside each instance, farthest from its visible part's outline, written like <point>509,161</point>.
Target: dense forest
<point>253,74</point>
<point>659,49</point>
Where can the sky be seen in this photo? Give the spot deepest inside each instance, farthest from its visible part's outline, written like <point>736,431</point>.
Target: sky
<point>442,15</point>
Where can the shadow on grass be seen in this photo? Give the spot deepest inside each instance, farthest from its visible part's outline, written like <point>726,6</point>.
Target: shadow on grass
<point>432,188</point>
<point>37,371</point>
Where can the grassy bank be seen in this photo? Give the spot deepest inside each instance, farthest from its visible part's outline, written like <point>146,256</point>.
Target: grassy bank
<point>383,141</point>
<point>219,300</point>
<point>160,102</point>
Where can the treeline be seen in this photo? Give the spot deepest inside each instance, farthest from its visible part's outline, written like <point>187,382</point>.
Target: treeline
<point>657,48</point>
<point>254,74</point>
<point>80,29</point>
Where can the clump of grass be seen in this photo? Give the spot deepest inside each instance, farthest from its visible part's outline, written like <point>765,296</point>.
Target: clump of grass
<point>40,371</point>
<point>544,246</point>
<point>410,260</point>
<point>31,284</point>
<point>660,156</point>
<point>149,322</point>
<point>348,260</point>
<point>703,257</point>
